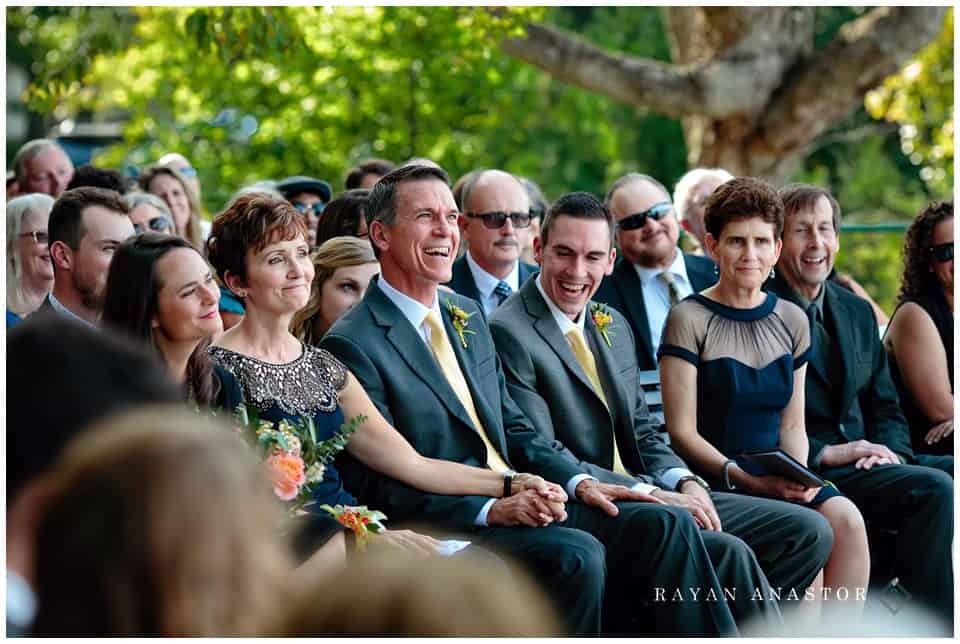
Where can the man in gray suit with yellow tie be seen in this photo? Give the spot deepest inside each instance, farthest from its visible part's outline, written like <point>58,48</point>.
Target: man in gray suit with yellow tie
<point>571,366</point>
<point>428,362</point>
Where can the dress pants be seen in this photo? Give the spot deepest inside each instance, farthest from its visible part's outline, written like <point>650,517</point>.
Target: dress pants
<point>917,502</point>
<point>569,565</point>
<point>654,551</point>
<point>791,542</point>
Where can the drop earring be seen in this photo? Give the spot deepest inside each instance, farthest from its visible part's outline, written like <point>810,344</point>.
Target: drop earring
<point>772,273</point>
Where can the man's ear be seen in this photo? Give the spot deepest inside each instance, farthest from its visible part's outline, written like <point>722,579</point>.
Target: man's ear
<point>613,261</point>
<point>379,235</point>
<point>538,250</point>
<point>61,255</point>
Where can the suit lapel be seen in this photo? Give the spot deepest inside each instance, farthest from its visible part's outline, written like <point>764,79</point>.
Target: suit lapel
<point>625,279</point>
<point>699,279</point>
<point>546,326</point>
<point>411,347</point>
<point>840,321</point>
<point>606,366</point>
<point>462,280</point>
<point>490,417</point>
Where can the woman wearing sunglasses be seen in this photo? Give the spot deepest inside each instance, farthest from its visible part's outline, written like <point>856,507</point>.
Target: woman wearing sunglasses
<point>149,213</point>
<point>29,270</point>
<point>919,339</point>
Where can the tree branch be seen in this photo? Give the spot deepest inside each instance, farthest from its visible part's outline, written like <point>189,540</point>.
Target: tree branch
<point>831,84</point>
<point>668,89</point>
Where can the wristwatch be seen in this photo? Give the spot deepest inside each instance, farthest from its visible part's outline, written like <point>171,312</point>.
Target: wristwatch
<point>725,474</point>
<point>508,482</point>
<point>696,479</point>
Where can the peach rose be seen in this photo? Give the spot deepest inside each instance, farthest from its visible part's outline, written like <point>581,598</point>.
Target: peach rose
<point>286,474</point>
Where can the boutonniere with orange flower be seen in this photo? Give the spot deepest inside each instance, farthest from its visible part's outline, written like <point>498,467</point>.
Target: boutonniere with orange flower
<point>602,319</point>
<point>460,320</point>
<point>363,522</point>
<point>295,459</point>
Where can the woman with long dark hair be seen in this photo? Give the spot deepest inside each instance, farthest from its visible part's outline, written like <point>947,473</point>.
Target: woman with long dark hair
<point>919,338</point>
<point>161,291</point>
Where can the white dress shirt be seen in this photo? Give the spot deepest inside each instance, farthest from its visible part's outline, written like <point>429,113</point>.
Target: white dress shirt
<point>486,283</point>
<point>656,295</point>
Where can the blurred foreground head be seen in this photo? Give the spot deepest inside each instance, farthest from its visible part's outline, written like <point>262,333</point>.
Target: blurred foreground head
<point>158,522</point>
<point>438,596</point>
<point>63,376</point>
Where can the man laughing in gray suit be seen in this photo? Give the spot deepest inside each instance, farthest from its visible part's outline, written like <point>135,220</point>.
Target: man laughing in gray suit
<point>571,366</point>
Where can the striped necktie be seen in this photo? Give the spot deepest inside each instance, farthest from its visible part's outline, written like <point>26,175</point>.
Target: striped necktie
<point>447,359</point>
<point>667,278</point>
<point>589,364</point>
<point>502,292</point>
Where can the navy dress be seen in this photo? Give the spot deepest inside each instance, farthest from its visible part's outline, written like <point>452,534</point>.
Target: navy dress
<point>306,387</point>
<point>745,360</point>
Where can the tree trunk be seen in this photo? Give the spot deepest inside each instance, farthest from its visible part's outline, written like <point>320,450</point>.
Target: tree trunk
<point>751,93</point>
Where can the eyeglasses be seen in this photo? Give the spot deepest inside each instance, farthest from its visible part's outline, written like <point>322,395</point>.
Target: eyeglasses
<point>302,208</point>
<point>498,218</point>
<point>38,236</point>
<point>655,212</point>
<point>157,224</point>
<point>942,252</point>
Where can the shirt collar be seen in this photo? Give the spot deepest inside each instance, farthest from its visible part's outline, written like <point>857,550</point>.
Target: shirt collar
<point>486,283</point>
<point>678,268</point>
<point>62,310</point>
<point>412,310</point>
<point>566,324</point>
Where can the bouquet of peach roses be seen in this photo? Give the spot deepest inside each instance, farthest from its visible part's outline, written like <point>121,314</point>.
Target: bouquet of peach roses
<point>295,459</point>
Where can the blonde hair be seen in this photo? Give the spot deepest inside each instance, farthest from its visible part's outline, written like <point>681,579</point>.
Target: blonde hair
<point>193,233</point>
<point>393,594</point>
<point>17,210</point>
<point>336,252</point>
<point>159,522</point>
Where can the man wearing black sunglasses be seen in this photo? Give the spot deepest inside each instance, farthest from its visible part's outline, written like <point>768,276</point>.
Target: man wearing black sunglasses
<point>652,273</point>
<point>495,224</point>
<point>859,439</point>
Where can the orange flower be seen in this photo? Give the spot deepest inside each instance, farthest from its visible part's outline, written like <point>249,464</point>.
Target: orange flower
<point>286,474</point>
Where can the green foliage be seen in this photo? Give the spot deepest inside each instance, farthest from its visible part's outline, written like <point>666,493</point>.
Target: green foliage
<point>920,99</point>
<point>250,93</point>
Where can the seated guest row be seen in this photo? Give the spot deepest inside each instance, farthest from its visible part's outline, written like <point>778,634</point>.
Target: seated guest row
<point>544,389</point>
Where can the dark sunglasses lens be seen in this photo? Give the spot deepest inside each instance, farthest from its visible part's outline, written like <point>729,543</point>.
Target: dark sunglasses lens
<point>158,223</point>
<point>520,219</point>
<point>494,219</point>
<point>633,221</point>
<point>943,252</point>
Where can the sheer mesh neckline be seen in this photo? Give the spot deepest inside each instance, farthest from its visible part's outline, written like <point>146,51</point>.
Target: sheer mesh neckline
<point>758,312</point>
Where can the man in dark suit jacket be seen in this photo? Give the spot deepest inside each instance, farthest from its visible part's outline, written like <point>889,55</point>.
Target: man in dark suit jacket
<point>646,236</point>
<point>858,436</point>
<point>494,224</point>
<point>86,225</point>
<point>389,341</point>
<point>612,431</point>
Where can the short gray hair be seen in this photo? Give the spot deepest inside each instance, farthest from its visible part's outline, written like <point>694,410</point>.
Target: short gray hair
<point>30,150</point>
<point>686,184</point>
<point>17,210</point>
<point>137,199</point>
<point>629,178</point>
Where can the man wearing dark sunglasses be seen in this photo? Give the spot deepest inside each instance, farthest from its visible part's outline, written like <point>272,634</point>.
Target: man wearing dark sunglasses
<point>309,196</point>
<point>494,224</point>
<point>859,439</point>
<point>652,273</point>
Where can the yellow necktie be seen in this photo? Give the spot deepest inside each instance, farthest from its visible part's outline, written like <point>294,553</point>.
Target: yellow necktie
<point>585,357</point>
<point>443,352</point>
